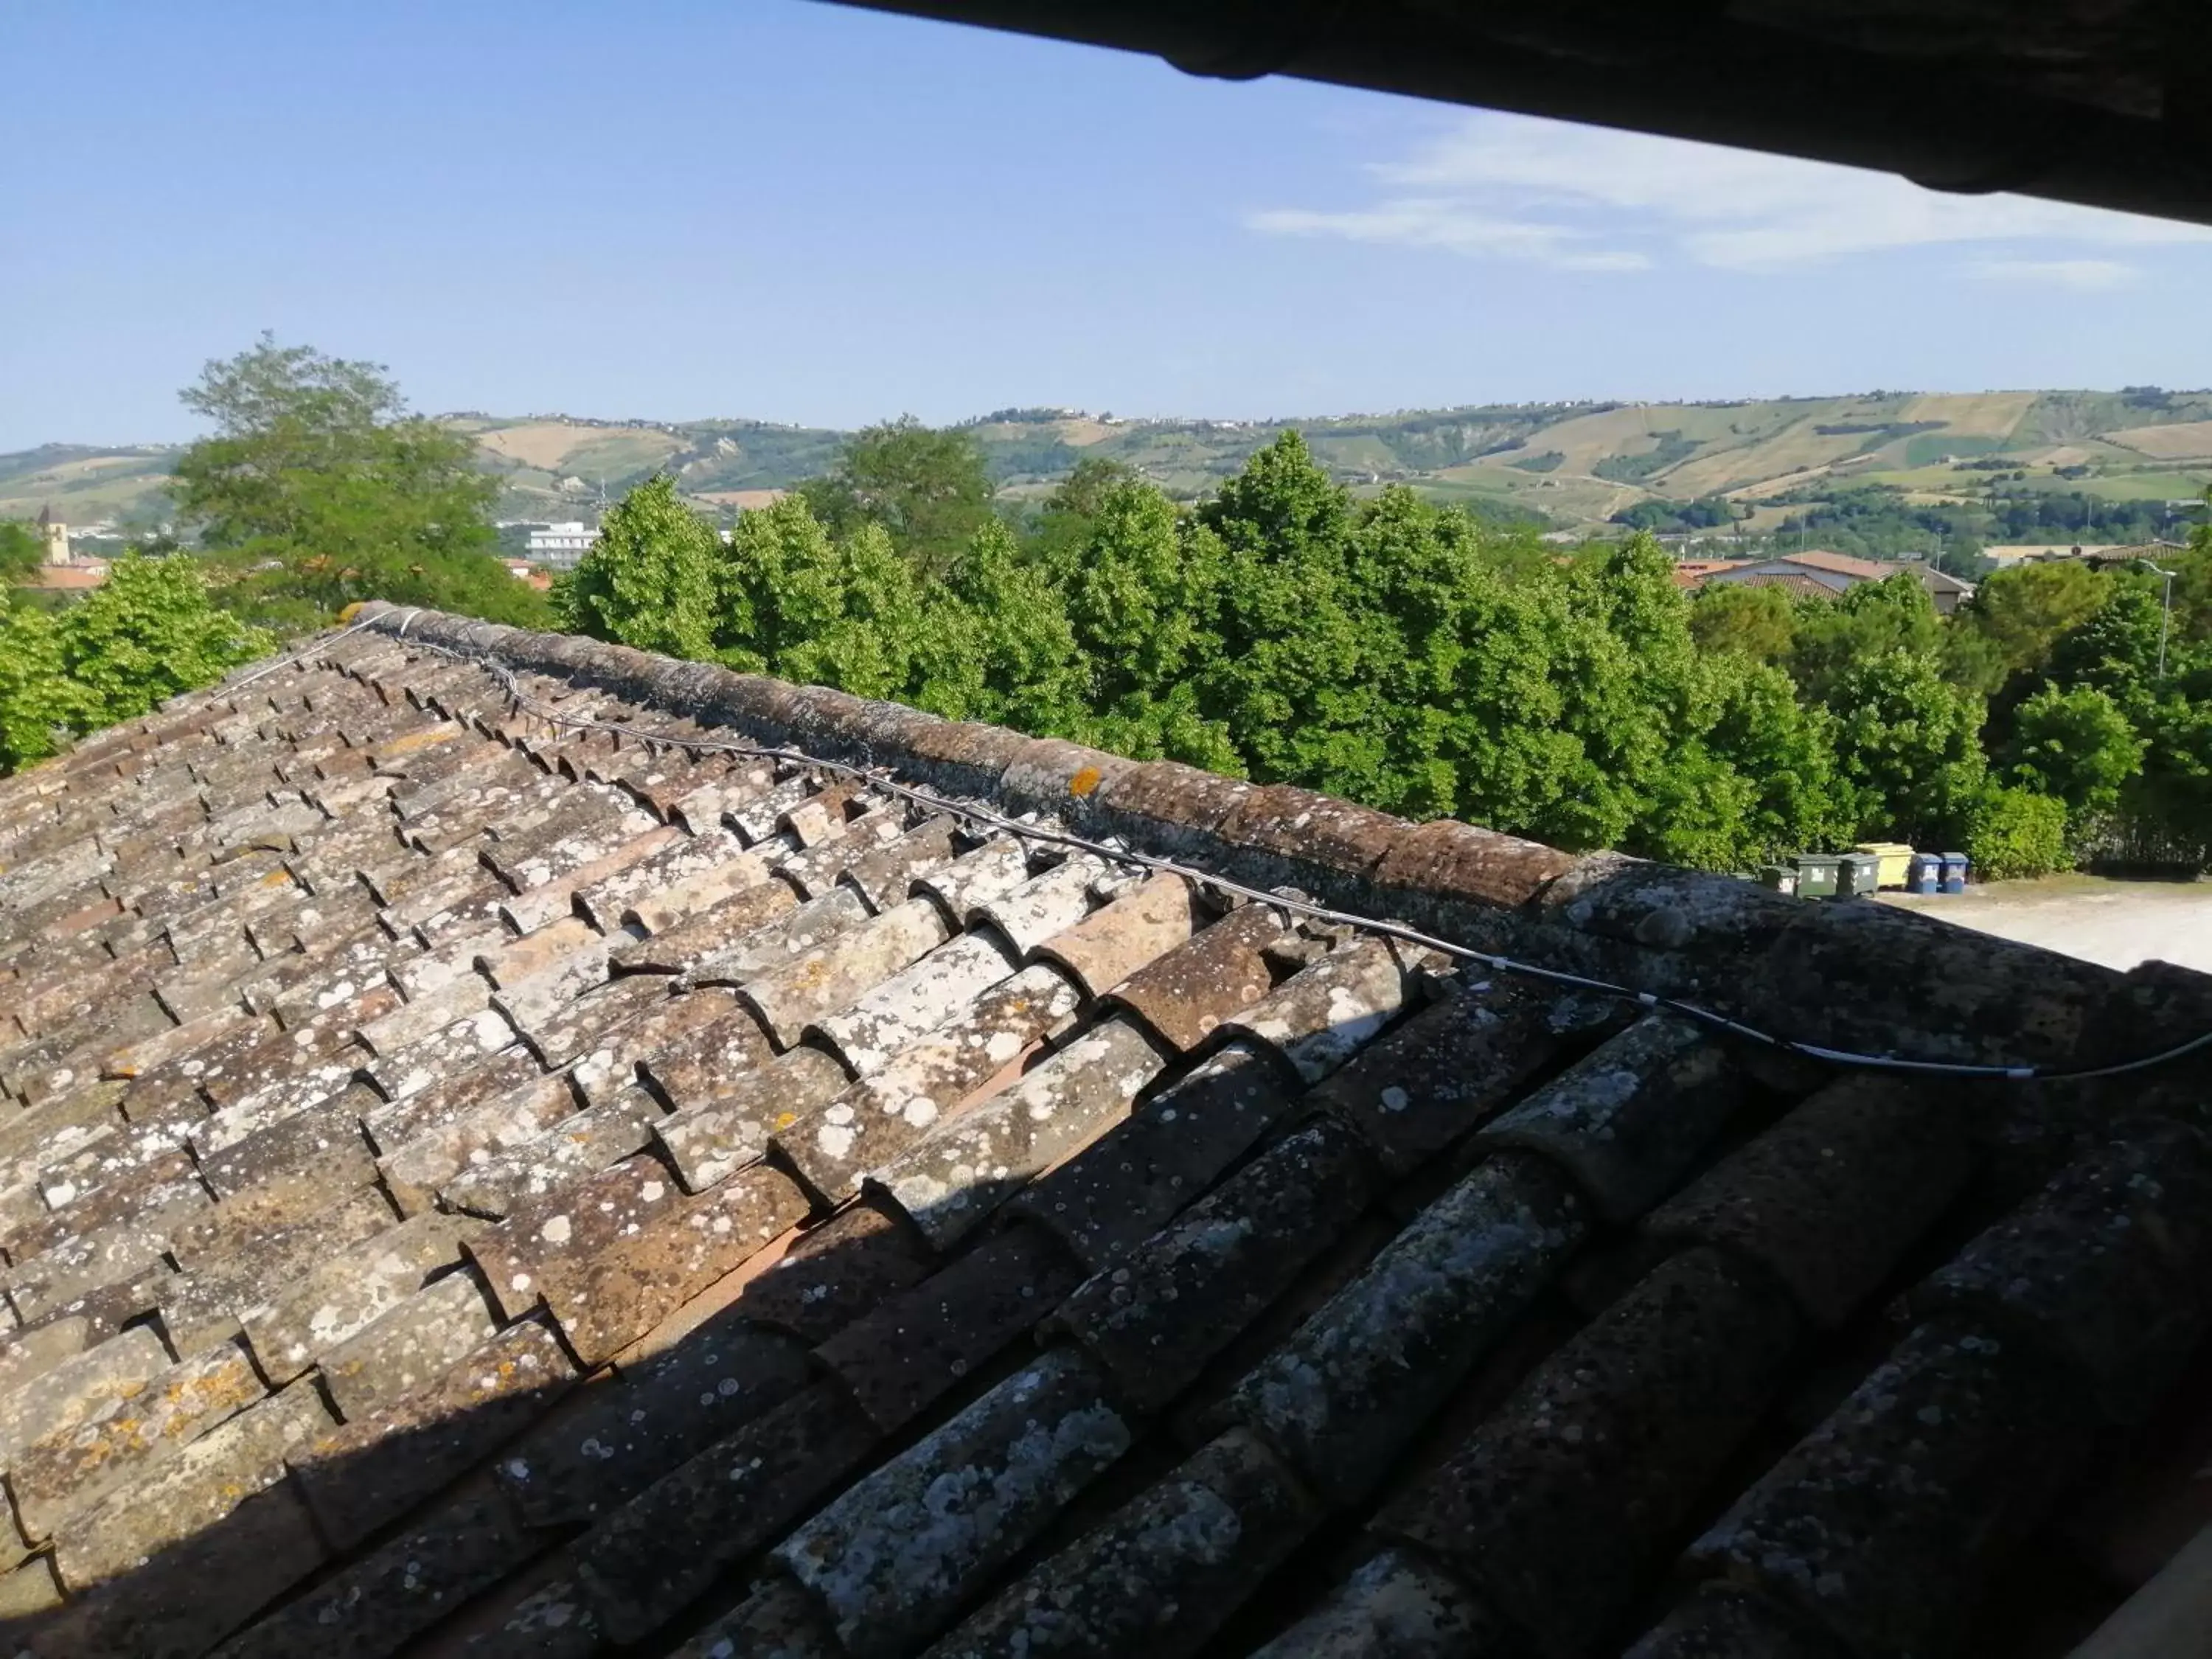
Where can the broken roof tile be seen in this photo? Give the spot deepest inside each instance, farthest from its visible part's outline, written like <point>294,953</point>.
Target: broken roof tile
<point>837,1272</point>
<point>1629,1118</point>
<point>347,1292</point>
<point>756,952</point>
<point>1105,948</point>
<point>688,1068</point>
<point>884,875</point>
<point>977,877</point>
<point>479,1127</point>
<point>757,905</point>
<point>1321,1016</point>
<point>831,976</point>
<point>407,1346</point>
<point>1162,1157</point>
<point>1395,1606</point>
<point>496,1183</point>
<point>560,1023</point>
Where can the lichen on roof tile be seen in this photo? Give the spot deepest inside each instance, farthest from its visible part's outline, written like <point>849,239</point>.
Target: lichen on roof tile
<point>1418,1308</point>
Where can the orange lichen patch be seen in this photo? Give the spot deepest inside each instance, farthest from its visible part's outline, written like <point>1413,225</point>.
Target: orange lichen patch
<point>413,742</point>
<point>1084,782</point>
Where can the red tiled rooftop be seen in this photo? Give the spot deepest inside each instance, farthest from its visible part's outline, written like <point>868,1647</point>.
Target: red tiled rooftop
<point>545,1190</point>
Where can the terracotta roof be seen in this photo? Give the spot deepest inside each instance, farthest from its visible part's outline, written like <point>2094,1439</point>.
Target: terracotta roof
<point>483,1184</point>
<point>79,574</point>
<point>1843,564</point>
<point>1800,583</point>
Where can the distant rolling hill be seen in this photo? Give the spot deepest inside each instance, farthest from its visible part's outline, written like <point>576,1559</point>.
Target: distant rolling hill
<point>1575,464</point>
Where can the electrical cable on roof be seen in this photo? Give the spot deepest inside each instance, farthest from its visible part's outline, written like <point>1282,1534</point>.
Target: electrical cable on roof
<point>985,818</point>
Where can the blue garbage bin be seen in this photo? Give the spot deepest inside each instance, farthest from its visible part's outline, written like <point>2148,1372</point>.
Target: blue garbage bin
<point>1955,872</point>
<point>1925,873</point>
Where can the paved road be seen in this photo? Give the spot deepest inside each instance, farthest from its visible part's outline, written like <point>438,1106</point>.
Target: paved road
<point>2118,923</point>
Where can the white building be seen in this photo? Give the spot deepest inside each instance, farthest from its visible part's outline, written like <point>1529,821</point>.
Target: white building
<point>560,546</point>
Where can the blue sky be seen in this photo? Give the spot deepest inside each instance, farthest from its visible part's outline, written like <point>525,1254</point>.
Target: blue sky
<point>789,211</point>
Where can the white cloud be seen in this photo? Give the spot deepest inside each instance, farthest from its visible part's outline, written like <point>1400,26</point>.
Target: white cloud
<point>1509,186</point>
<point>1423,223</point>
<point>2089,275</point>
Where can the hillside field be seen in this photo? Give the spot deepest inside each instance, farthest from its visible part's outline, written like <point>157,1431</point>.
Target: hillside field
<point>1573,464</point>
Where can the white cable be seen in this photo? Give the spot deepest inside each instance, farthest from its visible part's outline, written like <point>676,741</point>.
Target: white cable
<point>985,817</point>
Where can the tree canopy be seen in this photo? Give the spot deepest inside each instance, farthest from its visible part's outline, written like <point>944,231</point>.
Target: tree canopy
<point>22,551</point>
<point>1413,657</point>
<point>150,632</point>
<point>926,487</point>
<point>316,488</point>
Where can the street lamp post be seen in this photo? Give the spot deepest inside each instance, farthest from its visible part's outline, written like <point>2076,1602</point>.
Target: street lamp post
<point>2166,616</point>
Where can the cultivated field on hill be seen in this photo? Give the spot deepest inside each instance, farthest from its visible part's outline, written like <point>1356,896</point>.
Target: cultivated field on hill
<point>1575,465</point>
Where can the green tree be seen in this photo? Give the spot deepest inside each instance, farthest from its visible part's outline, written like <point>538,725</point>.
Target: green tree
<point>40,704</point>
<point>1837,636</point>
<point>1287,679</point>
<point>1907,742</point>
<point>798,603</point>
<point>2116,648</point>
<point>1788,752</point>
<point>2012,833</point>
<point>2077,745</point>
<point>926,486</point>
<point>317,488</point>
<point>1757,622</point>
<point>652,578</point>
<point>22,551</point>
<point>2023,612</point>
<point>996,644</point>
<point>150,632</point>
<point>1064,525</point>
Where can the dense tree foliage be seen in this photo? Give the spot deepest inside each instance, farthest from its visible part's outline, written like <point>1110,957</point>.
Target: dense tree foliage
<point>1412,656</point>
<point>317,487</point>
<point>926,487</point>
<point>151,632</point>
<point>22,551</point>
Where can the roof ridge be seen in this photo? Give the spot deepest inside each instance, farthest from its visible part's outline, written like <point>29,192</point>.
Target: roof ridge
<point>1659,931</point>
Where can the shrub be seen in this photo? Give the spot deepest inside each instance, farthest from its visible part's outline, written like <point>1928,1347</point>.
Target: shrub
<point>2016,832</point>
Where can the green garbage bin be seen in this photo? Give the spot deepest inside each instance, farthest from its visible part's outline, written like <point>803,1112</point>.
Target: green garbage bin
<point>1816,875</point>
<point>1777,878</point>
<point>1858,875</point>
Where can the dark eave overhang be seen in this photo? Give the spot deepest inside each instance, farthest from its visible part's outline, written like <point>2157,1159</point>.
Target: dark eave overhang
<point>2103,102</point>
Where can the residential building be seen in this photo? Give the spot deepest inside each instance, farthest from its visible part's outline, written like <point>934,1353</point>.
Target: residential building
<point>560,546</point>
<point>1818,574</point>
